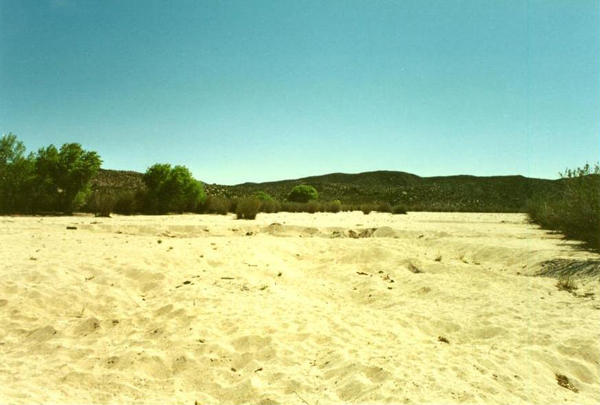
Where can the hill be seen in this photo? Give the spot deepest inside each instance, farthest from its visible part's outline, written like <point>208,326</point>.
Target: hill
<point>440,193</point>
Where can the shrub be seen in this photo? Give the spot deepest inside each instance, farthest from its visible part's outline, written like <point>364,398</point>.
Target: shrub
<point>312,207</point>
<point>269,206</point>
<point>576,210</point>
<point>399,209</point>
<point>334,206</point>
<point>367,208</point>
<point>303,193</point>
<point>383,207</point>
<point>102,204</point>
<point>350,207</point>
<point>248,208</point>
<point>233,203</point>
<point>291,207</point>
<point>171,189</point>
<point>217,205</point>
<point>127,203</point>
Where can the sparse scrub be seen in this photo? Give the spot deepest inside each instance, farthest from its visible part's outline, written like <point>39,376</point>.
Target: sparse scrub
<point>367,208</point>
<point>269,206</point>
<point>383,207</point>
<point>334,206</point>
<point>102,204</point>
<point>217,205</point>
<point>248,208</point>
<point>576,210</point>
<point>313,207</point>
<point>399,209</point>
<point>127,203</point>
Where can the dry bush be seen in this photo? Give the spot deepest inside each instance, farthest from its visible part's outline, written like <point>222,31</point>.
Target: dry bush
<point>217,205</point>
<point>383,207</point>
<point>399,209</point>
<point>334,206</point>
<point>248,208</point>
<point>367,208</point>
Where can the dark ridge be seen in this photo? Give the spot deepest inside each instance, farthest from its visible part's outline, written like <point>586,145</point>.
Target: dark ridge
<point>441,193</point>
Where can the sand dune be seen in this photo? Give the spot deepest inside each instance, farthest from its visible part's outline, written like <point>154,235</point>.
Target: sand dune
<point>293,308</point>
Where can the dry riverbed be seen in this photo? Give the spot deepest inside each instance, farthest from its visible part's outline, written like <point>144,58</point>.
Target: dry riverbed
<point>295,308</point>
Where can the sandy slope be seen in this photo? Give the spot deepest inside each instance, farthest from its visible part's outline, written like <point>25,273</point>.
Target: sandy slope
<point>289,309</point>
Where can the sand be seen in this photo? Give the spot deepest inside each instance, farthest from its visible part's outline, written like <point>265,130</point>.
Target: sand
<point>426,308</point>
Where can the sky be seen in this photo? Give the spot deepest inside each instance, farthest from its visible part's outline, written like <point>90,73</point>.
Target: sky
<point>260,90</point>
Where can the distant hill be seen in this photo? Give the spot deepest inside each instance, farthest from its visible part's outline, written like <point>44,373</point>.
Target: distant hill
<point>446,193</point>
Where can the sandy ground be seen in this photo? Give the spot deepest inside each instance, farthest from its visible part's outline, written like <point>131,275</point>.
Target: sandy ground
<point>290,309</point>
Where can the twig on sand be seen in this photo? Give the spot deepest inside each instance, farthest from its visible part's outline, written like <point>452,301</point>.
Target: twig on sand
<point>303,400</point>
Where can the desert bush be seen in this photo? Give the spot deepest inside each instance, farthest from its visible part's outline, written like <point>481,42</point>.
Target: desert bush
<point>171,189</point>
<point>334,206</point>
<point>576,210</point>
<point>383,207</point>
<point>398,209</point>
<point>127,203</point>
<point>289,206</point>
<point>233,203</point>
<point>269,206</point>
<point>303,193</point>
<point>367,208</point>
<point>350,207</point>
<point>248,208</point>
<point>101,203</point>
<point>312,207</point>
<point>217,205</point>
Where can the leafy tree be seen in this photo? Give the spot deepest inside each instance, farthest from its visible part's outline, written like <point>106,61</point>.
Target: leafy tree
<point>303,193</point>
<point>261,195</point>
<point>171,189</point>
<point>16,171</point>
<point>63,176</point>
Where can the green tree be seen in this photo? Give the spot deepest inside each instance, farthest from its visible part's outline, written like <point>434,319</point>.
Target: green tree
<point>171,189</point>
<point>63,176</point>
<point>16,172</point>
<point>303,193</point>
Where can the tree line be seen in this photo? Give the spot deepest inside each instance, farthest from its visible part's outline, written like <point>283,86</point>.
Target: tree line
<point>54,180</point>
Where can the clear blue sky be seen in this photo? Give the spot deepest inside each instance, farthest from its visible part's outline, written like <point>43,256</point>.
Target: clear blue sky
<point>266,90</point>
